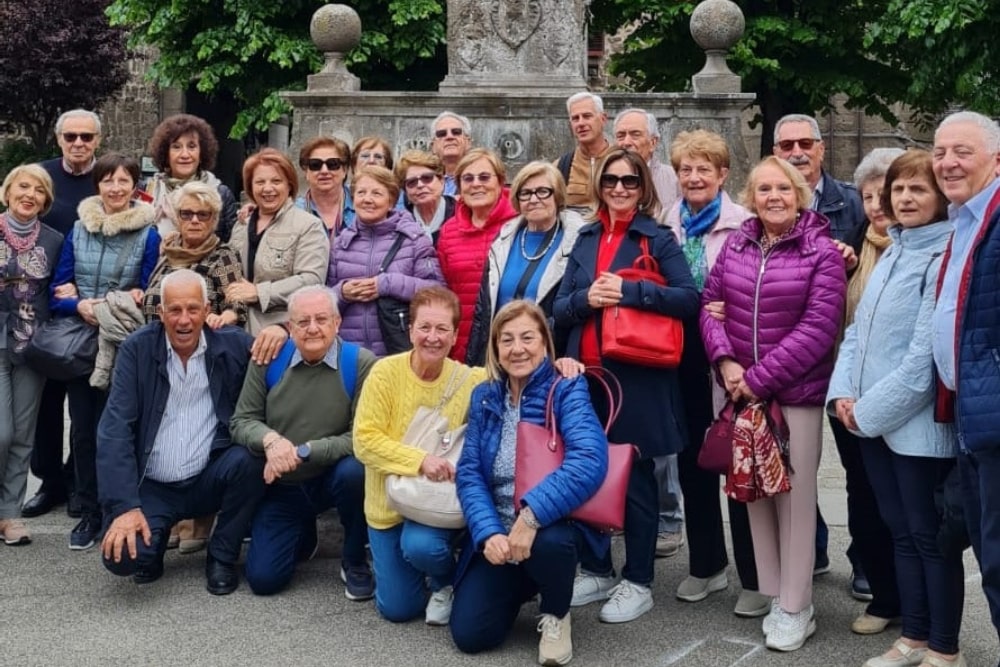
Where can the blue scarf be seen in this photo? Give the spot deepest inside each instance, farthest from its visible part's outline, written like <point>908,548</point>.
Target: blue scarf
<point>696,224</point>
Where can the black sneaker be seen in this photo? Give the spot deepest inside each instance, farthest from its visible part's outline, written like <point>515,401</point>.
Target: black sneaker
<point>359,584</point>
<point>860,588</point>
<point>85,533</point>
<point>822,564</point>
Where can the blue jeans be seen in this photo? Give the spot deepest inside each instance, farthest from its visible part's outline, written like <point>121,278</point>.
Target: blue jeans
<point>981,493</point>
<point>488,597</point>
<point>668,484</point>
<point>931,584</point>
<point>284,528</point>
<point>404,558</point>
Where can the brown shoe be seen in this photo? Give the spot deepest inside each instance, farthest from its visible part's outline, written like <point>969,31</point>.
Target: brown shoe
<point>194,533</point>
<point>14,532</point>
<point>174,538</point>
<point>866,624</point>
<point>556,645</point>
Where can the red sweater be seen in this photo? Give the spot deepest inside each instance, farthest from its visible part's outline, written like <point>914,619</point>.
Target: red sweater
<point>611,240</point>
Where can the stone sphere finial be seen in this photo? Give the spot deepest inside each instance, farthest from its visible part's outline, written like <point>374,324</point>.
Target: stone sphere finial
<point>335,30</point>
<point>716,25</point>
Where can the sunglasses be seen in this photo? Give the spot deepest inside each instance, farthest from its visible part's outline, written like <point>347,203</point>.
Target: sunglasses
<point>85,137</point>
<point>541,193</point>
<point>628,181</point>
<point>187,215</point>
<point>422,179</point>
<point>482,177</point>
<point>332,163</point>
<point>789,144</point>
<point>455,132</point>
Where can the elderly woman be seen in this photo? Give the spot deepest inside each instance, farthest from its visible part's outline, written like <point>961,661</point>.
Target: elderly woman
<point>30,251</point>
<point>514,553</point>
<point>184,149</point>
<point>702,220</point>
<point>408,556</point>
<point>465,239</point>
<point>113,248</point>
<point>282,247</point>
<point>359,271</point>
<point>882,391</point>
<point>528,257</point>
<point>651,404</point>
<point>325,161</point>
<point>783,282</point>
<point>421,176</point>
<point>371,151</point>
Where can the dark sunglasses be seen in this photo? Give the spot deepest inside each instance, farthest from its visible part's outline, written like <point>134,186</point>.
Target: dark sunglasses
<point>423,179</point>
<point>455,132</point>
<point>483,177</point>
<point>332,163</point>
<point>71,137</point>
<point>541,193</point>
<point>789,144</point>
<point>628,181</point>
<point>187,215</point>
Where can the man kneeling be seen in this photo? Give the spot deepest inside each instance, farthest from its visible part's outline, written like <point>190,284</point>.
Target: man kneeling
<point>163,449</point>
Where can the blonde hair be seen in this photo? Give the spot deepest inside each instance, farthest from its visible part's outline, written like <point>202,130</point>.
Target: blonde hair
<point>511,311</point>
<point>539,168</point>
<point>32,171</point>
<point>477,154</point>
<point>700,143</point>
<point>201,192</point>
<point>803,193</point>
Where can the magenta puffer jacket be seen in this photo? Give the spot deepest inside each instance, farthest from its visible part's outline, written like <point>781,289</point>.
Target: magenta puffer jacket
<point>783,311</point>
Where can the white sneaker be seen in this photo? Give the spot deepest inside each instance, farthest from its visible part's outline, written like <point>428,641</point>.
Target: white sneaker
<point>772,617</point>
<point>791,631</point>
<point>438,610</point>
<point>627,602</point>
<point>696,589</point>
<point>556,644</point>
<point>589,588</point>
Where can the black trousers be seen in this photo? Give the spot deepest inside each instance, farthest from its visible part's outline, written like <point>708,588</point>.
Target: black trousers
<point>47,456</point>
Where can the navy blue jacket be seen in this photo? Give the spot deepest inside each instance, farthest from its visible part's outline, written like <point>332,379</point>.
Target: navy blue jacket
<point>652,410</point>
<point>138,398</point>
<point>842,206</point>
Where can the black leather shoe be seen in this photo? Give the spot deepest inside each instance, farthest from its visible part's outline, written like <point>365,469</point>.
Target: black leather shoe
<point>42,503</point>
<point>147,574</point>
<point>221,578</point>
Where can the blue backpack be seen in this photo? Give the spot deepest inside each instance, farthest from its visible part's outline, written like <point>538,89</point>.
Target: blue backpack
<point>348,366</point>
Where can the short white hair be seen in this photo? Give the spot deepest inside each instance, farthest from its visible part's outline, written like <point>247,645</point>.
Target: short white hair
<point>182,277</point>
<point>798,118</point>
<point>875,165</point>
<point>991,131</point>
<point>466,124</point>
<point>585,95</point>
<point>651,125</point>
<point>77,113</point>
<point>310,290</point>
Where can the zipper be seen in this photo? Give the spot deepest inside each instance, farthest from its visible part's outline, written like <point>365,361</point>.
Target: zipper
<point>756,301</point>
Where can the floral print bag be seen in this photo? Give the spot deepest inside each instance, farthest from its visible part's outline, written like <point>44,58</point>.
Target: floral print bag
<point>760,466</point>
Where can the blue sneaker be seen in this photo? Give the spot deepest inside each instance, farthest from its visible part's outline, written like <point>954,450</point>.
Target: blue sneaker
<point>86,533</point>
<point>359,584</point>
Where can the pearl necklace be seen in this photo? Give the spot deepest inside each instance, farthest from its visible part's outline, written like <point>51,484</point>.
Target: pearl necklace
<point>550,237</point>
<point>17,241</point>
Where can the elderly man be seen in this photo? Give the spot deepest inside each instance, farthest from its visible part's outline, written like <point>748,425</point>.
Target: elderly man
<point>451,140</point>
<point>78,133</point>
<point>298,412</point>
<point>587,120</point>
<point>637,130</point>
<point>163,447</point>
<point>966,326</point>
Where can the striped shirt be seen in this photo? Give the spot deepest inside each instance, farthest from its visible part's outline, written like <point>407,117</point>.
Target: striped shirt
<point>184,439</point>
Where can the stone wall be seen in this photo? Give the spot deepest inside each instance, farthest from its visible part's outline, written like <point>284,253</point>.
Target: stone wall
<point>131,116</point>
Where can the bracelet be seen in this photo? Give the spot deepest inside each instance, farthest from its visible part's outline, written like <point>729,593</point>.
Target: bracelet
<point>528,515</point>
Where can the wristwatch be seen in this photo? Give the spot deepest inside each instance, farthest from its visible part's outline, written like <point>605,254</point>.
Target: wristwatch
<point>304,451</point>
<point>529,518</point>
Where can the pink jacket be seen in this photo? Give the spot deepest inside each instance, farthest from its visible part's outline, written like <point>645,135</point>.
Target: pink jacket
<point>731,216</point>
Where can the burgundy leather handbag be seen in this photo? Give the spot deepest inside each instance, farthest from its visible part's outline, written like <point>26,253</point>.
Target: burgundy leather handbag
<point>540,451</point>
<point>716,453</point>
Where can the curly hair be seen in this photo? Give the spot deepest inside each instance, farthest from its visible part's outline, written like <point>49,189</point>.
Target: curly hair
<point>175,126</point>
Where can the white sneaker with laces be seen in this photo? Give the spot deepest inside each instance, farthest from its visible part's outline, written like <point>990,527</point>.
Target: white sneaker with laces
<point>589,588</point>
<point>791,630</point>
<point>438,610</point>
<point>556,644</point>
<point>772,617</point>
<point>628,601</point>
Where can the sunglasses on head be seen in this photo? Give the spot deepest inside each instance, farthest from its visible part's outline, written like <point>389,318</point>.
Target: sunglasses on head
<point>455,132</point>
<point>628,181</point>
<point>541,193</point>
<point>804,144</point>
<point>482,177</point>
<point>332,163</point>
<point>422,179</point>
<point>187,215</point>
<point>71,137</point>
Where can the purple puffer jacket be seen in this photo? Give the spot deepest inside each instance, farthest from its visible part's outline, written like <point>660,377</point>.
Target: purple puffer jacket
<point>783,312</point>
<point>358,251</point>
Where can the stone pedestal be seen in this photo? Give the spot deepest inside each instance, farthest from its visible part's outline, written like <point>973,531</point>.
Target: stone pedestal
<point>716,25</point>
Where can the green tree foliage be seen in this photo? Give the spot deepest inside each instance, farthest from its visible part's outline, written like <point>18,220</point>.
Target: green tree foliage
<point>252,50</point>
<point>55,56</point>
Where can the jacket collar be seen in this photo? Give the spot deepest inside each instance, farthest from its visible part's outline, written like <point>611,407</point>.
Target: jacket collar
<point>809,225</point>
<point>541,377</point>
<point>137,216</point>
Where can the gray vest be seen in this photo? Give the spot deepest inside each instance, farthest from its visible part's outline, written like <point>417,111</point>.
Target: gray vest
<point>96,255</point>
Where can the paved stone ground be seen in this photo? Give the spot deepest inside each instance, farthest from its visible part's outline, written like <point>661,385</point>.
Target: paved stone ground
<point>59,607</point>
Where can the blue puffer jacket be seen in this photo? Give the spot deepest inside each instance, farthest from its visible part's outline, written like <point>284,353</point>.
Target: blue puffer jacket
<point>576,480</point>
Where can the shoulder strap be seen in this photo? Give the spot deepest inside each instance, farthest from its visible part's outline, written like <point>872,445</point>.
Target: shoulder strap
<point>533,264</point>
<point>391,255</point>
<point>923,282</point>
<point>348,366</point>
<point>566,165</point>
<point>279,365</point>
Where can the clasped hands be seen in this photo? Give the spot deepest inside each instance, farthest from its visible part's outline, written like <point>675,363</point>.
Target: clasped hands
<point>605,291</point>
<point>845,412</point>
<point>513,548</point>
<point>360,289</point>
<point>734,381</point>
<point>281,459</point>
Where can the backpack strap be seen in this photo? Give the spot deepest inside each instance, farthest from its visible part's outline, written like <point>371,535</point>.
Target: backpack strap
<point>279,365</point>
<point>566,165</point>
<point>348,366</point>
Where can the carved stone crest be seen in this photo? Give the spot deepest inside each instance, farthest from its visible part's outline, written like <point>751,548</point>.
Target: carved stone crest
<point>515,20</point>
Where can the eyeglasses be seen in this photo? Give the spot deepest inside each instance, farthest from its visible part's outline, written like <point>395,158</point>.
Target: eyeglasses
<point>455,132</point>
<point>71,137</point>
<point>377,157</point>
<point>427,329</point>
<point>332,163</point>
<point>187,215</point>
<point>541,193</point>
<point>805,144</point>
<point>319,320</point>
<point>422,179</point>
<point>628,181</point>
<point>482,177</point>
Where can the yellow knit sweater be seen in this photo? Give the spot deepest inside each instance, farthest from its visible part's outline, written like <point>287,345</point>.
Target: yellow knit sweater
<point>391,394</point>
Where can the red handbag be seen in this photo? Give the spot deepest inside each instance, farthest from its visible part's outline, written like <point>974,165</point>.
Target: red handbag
<point>716,453</point>
<point>540,451</point>
<point>639,336</point>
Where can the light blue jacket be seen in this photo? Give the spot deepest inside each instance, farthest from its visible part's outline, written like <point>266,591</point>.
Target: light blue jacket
<point>886,362</point>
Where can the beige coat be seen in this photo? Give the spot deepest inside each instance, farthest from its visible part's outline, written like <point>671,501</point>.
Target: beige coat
<point>294,252</point>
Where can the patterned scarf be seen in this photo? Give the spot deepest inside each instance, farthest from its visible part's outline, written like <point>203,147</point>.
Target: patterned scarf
<point>871,250</point>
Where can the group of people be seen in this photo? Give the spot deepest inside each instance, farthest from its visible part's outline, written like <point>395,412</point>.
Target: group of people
<point>436,285</point>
